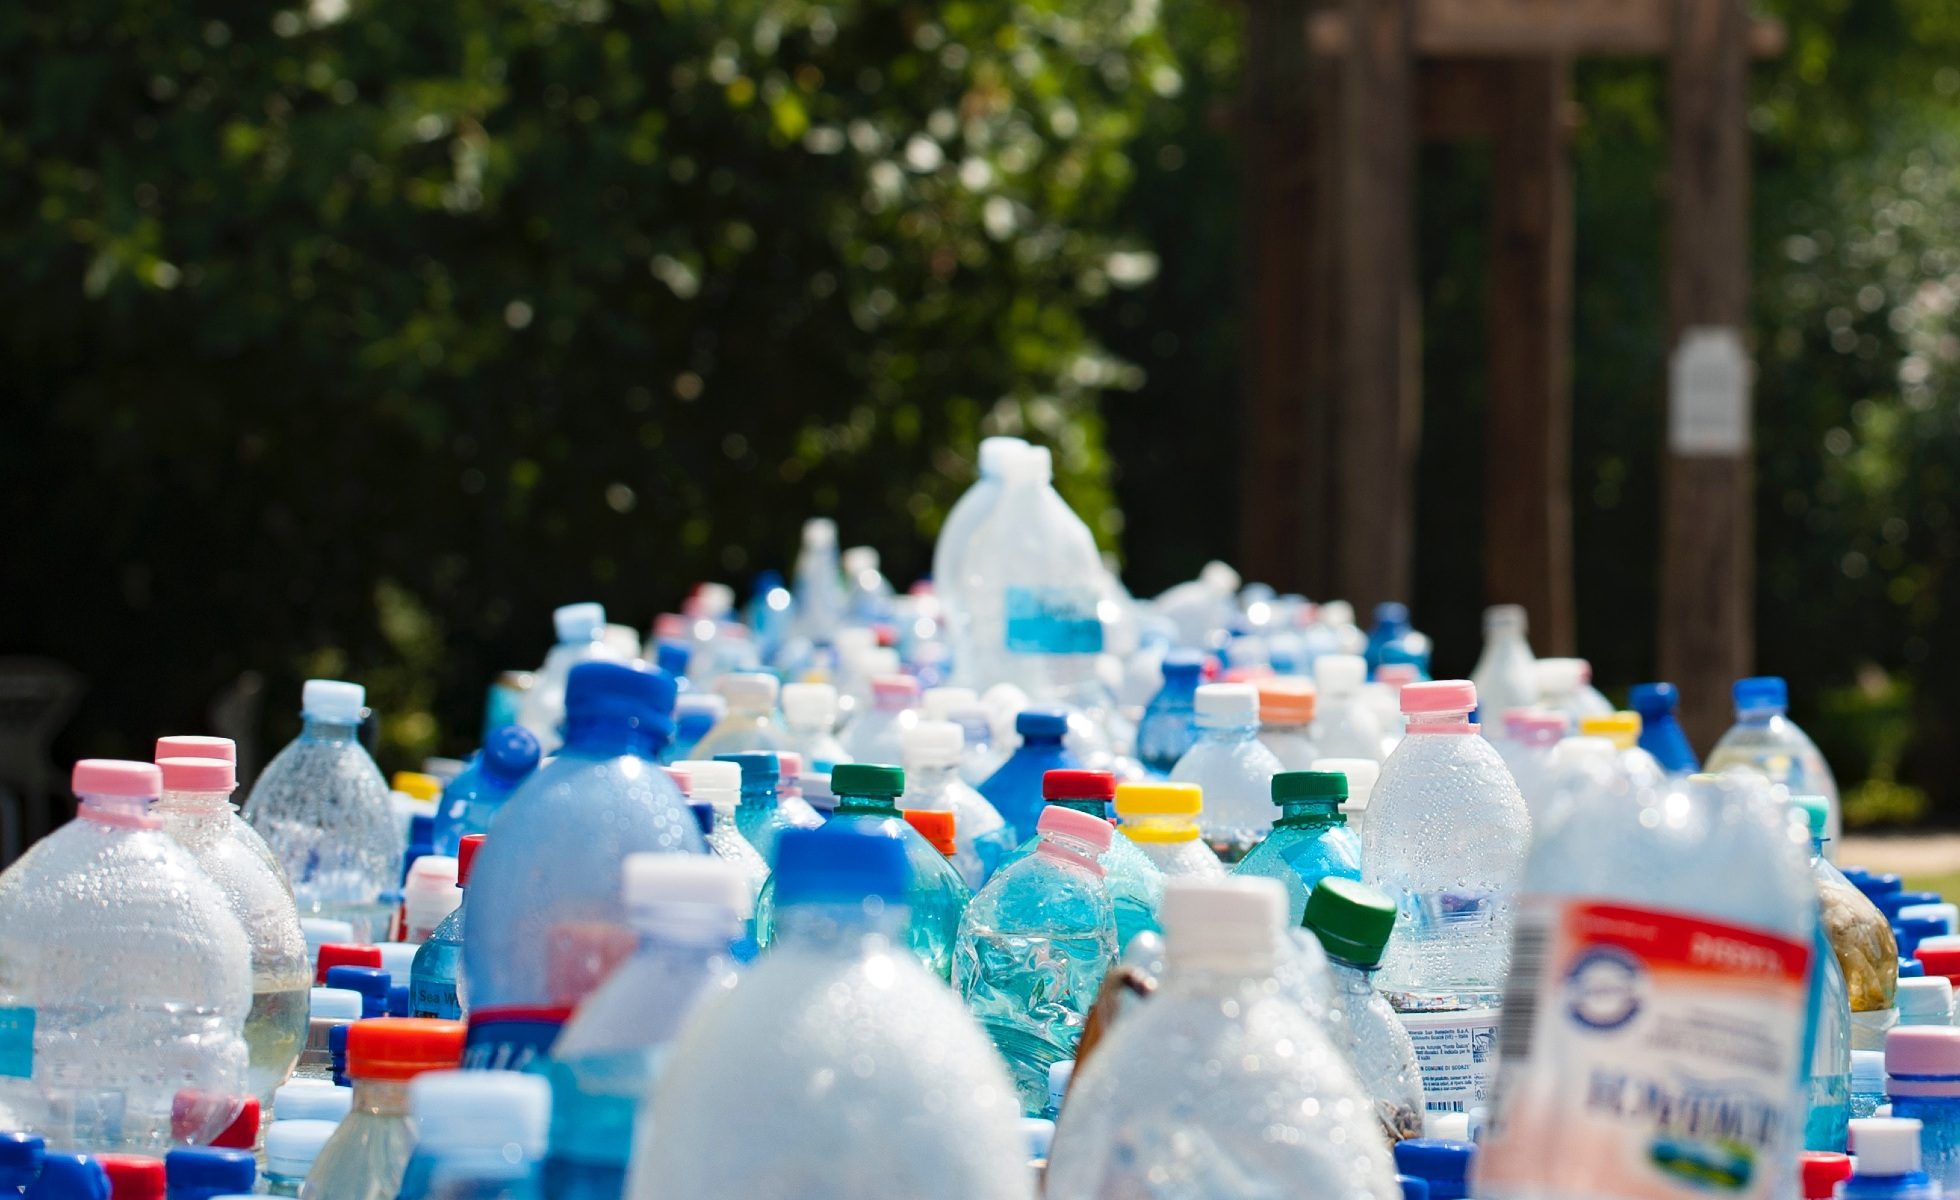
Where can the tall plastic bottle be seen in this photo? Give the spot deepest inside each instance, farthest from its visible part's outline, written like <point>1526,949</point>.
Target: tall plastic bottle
<point>1764,739</point>
<point>1233,769</point>
<point>1565,686</point>
<point>125,979</point>
<point>1161,819</point>
<point>1446,838</point>
<point>932,752</point>
<point>508,757</point>
<point>1922,1077</point>
<point>1286,712</point>
<point>322,806</point>
<point>1344,725</point>
<point>1034,946</point>
<point>1828,1071</point>
<point>479,1136</point>
<point>688,911</point>
<point>809,722</point>
<point>368,1153</point>
<point>1015,789</point>
<point>878,735</point>
<point>1656,923</point>
<point>1531,739</point>
<point>966,515</point>
<point>1661,734</point>
<point>1861,938</point>
<point>1353,922</point>
<point>546,925</point>
<point>818,587</point>
<point>581,630</point>
<point>435,978</point>
<point>750,723</point>
<point>765,811</point>
<point>196,810</point>
<point>1170,721</point>
<point>1505,675</point>
<point>915,1102</point>
<point>1219,1087</point>
<point>718,784</point>
<point>1310,842</point>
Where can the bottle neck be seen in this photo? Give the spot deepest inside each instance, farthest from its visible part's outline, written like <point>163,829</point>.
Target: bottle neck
<point>867,806</point>
<point>381,1097</point>
<point>1040,746</point>
<point>1062,848</point>
<point>125,812</point>
<point>842,927</point>
<point>758,795</point>
<point>1439,722</point>
<point>1308,814</point>
<point>685,934</point>
<point>930,780</point>
<point>608,737</point>
<point>1088,808</point>
<point>1352,979</point>
<point>1233,732</point>
<point>319,729</point>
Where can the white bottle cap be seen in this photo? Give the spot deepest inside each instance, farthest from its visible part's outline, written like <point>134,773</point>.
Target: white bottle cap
<point>858,560</point>
<point>749,691</point>
<point>1943,941</point>
<point>623,640</point>
<point>995,453</point>
<point>1220,577</point>
<point>820,532</point>
<point>321,931</point>
<point>714,600</point>
<point>1560,676</point>
<point>1361,775</point>
<point>658,884</point>
<point>809,704</point>
<point>1504,616</point>
<point>1925,1000</point>
<point>1584,752</point>
<point>398,958</point>
<point>1336,612</point>
<point>1060,1075</point>
<point>1449,1127</point>
<point>291,1146</point>
<point>333,700</point>
<point>880,660</point>
<point>1339,674</point>
<point>710,781</point>
<point>579,623</point>
<point>504,1111</point>
<point>932,744</point>
<point>1035,465</point>
<point>317,1100</point>
<point>1885,1145</point>
<point>941,703</point>
<point>333,1004</point>
<point>853,642</point>
<point>428,895</point>
<point>1227,704</point>
<point>1231,924</point>
<point>1040,1135</point>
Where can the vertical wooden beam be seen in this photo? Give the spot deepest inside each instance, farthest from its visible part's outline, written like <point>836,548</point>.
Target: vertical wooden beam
<point>1378,407</point>
<point>1707,632</point>
<point>1528,434</point>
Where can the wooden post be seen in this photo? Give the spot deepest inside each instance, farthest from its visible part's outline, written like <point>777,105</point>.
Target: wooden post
<point>1528,458</point>
<point>1707,571</point>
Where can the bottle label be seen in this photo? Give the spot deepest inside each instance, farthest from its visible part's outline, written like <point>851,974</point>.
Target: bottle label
<point>1457,1052</point>
<point>1053,620</point>
<point>434,998</point>
<point>17,1043</point>
<point>1647,1054</point>
<point>512,1038</point>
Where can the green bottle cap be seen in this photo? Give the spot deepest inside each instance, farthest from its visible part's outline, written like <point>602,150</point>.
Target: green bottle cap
<point>1292,786</point>
<point>866,779</point>
<point>1816,810</point>
<point>1352,920</point>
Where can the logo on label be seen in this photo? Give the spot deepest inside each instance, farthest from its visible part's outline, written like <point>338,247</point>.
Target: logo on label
<point>1603,988</point>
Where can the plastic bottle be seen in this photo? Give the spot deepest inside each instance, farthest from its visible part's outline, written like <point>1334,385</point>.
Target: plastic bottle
<point>764,811</point>
<point>237,827</point>
<point>1286,712</point>
<point>1623,730</point>
<point>1888,1162</point>
<point>508,757</point>
<point>1922,1068</point>
<point>545,921</point>
<point>1692,900</point>
<point>480,1135</point>
<point>868,594</point>
<point>966,515</point>
<point>695,713</point>
<point>878,736</point>
<point>1353,922</point>
<point>326,1009</point>
<point>1218,1087</point>
<point>1170,721</point>
<point>203,1172</point>
<point>1015,789</point>
<point>1863,953</point>
<point>818,589</point>
<point>581,630</point>
<point>1446,838</point>
<point>932,751</point>
<point>195,807</point>
<point>1310,842</point>
<point>435,978</point>
<point>66,1176</point>
<point>809,719</point>
<point>1505,675</point>
<point>1161,819</point>
<point>1661,734</point>
<point>1231,767</point>
<point>1529,744</point>
<point>749,724</point>
<point>1135,885</point>
<point>1829,1024</point>
<point>322,806</point>
<point>1200,608</point>
<point>719,784</point>
<point>1344,726</point>
<point>915,1102</point>
<point>1361,775</point>
<point>291,1149</point>
<point>1034,946</point>
<point>1766,740</point>
<point>1384,694</point>
<point>1394,641</point>
<point>429,896</point>
<point>21,1156</point>
<point>125,979</point>
<point>369,1150</point>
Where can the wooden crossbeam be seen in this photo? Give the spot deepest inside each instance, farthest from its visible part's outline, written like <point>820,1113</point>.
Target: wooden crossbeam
<point>1535,28</point>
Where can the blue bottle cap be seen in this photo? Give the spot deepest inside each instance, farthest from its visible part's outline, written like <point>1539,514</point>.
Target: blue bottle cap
<point>1858,877</point>
<point>1041,723</point>
<point>1653,699</point>
<point>1761,693</point>
<point>1876,885</point>
<point>1444,1164</point>
<point>509,754</point>
<point>1391,614</point>
<point>70,1177</point>
<point>758,766</point>
<point>1414,1187</point>
<point>20,1155</point>
<point>1910,931</point>
<point>672,656</point>
<point>205,1169</point>
<point>846,861</point>
<point>397,999</point>
<point>641,698</point>
<point>370,982</point>
<point>1183,665</point>
<point>1891,902</point>
<point>421,834</point>
<point>337,1050</point>
<point>1911,968</point>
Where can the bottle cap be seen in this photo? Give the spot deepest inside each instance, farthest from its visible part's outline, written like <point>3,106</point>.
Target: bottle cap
<point>311,1100</point>
<point>430,892</point>
<point>1891,902</point>
<point>719,780</point>
<point>402,1047</point>
<point>1881,883</point>
<point>757,768</point>
<point>666,881</point>
<point>810,704</point>
<point>844,862</point>
<point>1230,924</point>
<point>133,1176</point>
<point>466,857</point>
<point>579,623</point>
<point>416,785</point>
<point>206,1169</point>
<point>1911,968</point>
<point>1183,666</point>
<point>333,701</point>
<point>749,691</point>
<point>1620,728</point>
<point>1227,704</point>
<point>291,1146</point>
<point>115,777</point>
<point>1823,1170</point>
<point>1440,1161</point>
<point>370,983</point>
<point>1653,699</point>
<point>1295,786</point>
<point>190,745</point>
<point>997,452</point>
<point>198,774</point>
<point>1361,775</point>
<point>819,532</point>
<point>1439,696</point>
<point>621,693</point>
<point>21,1153</point>
<point>894,693</point>
<point>867,779</point>
<point>1286,700</point>
<point>1039,1135</point>
<point>1068,823</point>
<point>1158,799</point>
<point>930,744</point>
<point>1061,1073</point>
<point>1391,614</point>
<point>1559,676</point>
<point>1761,694</point>
<point>1041,723</point>
<point>1885,1145</point>
<point>1339,674</point>
<point>941,703</point>
<point>789,764</point>
<point>1352,920</point>
<point>340,954</point>
<point>509,754</point>
<point>682,778</point>
<point>398,959</point>
<point>1397,675</point>
<point>506,1112</point>
<point>1535,726</point>
<point>1066,783</point>
<point>68,1176</point>
<point>1868,1072</point>
<point>333,1004</point>
<point>1033,465</point>
<point>1414,1187</point>
<point>1504,616</point>
<point>1927,1000</point>
<point>672,655</point>
<point>935,825</point>
<point>857,560</point>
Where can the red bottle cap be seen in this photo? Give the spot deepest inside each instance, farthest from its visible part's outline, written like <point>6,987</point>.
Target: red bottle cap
<point>341,954</point>
<point>402,1047</point>
<point>1078,785</point>
<point>1939,961</point>
<point>1822,1172</point>
<point>243,1133</point>
<point>132,1176</point>
<point>466,855</point>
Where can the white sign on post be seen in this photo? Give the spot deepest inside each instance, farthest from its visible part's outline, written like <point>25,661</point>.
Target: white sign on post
<point>1708,393</point>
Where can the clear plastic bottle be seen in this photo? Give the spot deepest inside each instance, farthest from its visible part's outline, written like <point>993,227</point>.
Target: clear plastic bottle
<point>1446,838</point>
<point>1565,686</point>
<point>1161,819</point>
<point>1170,721</point>
<point>1286,712</point>
<point>868,595</point>
<point>878,735</point>
<point>1135,885</point>
<point>1200,609</point>
<point>1622,728</point>
<point>581,630</point>
<point>1661,734</point>
<point>508,757</point>
<point>370,1148</point>
<point>1922,1069</point>
<point>435,977</point>
<point>545,923</point>
<point>125,979</point>
<point>239,829</point>
<point>1505,675</point>
<point>764,811</point>
<point>956,532</point>
<point>914,1101</point>
<point>327,1009</point>
<point>1765,740</point>
<point>818,587</point>
<point>1232,768</point>
<point>1888,1164</point>
<point>205,1172</point>
<point>688,910</point>
<point>1690,902</point>
<point>1361,775</point>
<point>1034,946</point>
<point>1310,842</point>
<point>1829,1067</point>
<point>322,806</point>
<point>1530,741</point>
<point>1353,922</point>
<point>1015,789</point>
<point>480,1135</point>
<point>718,784</point>
<point>196,810</point>
<point>750,722</point>
<point>1344,726</point>
<point>809,721</point>
<point>932,751</point>
<point>1218,1088</point>
<point>1867,1082</point>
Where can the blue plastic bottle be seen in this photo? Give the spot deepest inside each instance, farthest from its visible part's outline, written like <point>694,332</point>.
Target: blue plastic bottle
<point>1309,842</point>
<point>1015,789</point>
<point>1829,1023</point>
<point>761,814</point>
<point>474,796</point>
<point>1922,1076</point>
<point>1170,721</point>
<point>1395,640</point>
<point>69,1177</point>
<point>20,1161</point>
<point>479,1136</point>
<point>1764,739</point>
<point>695,713</point>
<point>203,1172</point>
<point>1661,734</point>
<point>545,923</point>
<point>1888,1162</point>
<point>435,976</point>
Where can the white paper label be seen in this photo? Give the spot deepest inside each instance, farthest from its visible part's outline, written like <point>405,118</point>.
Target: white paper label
<point>1457,1052</point>
<point>1708,393</point>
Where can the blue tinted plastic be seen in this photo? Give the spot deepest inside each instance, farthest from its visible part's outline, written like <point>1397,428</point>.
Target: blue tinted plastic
<point>1015,789</point>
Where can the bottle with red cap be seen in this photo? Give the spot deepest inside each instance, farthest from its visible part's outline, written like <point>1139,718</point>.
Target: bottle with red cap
<point>1136,886</point>
<point>126,977</point>
<point>196,810</point>
<point>435,978</point>
<point>1822,1171</point>
<point>369,1151</point>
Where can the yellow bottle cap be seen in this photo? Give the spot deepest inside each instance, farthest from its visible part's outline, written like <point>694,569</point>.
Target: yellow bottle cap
<point>1159,812</point>
<point>417,785</point>
<point>1621,728</point>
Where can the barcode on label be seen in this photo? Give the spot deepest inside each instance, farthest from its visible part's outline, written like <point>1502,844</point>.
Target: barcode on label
<point>1446,1106</point>
<point>1518,1021</point>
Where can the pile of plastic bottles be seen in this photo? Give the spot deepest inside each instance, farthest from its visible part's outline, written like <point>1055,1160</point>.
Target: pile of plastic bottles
<point>1008,885</point>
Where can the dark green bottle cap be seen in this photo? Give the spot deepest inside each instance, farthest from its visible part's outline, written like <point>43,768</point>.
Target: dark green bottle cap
<point>1352,920</point>
<point>866,779</point>
<point>1294,786</point>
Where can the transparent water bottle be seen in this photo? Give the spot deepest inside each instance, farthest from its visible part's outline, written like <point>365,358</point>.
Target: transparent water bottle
<point>322,806</point>
<point>1170,721</point>
<point>1135,885</point>
<point>370,1148</point>
<point>688,910</point>
<point>810,722</point>
<point>1505,674</point>
<point>915,1102</point>
<point>1361,775</point>
<point>1311,840</point>
<point>1765,740</point>
<point>764,811</point>
<point>1446,838</point>
<point>750,722</point>
<point>1286,712</point>
<point>545,922</point>
<point>125,979</point>
<point>581,630</point>
<point>1531,738</point>
<point>932,752</point>
<point>1565,686</point>
<point>435,976</point>
<point>508,757</point>
<point>238,828</point>
<point>718,784</point>
<point>1344,726</point>
<point>1034,946</point>
<point>1623,730</point>
<point>1690,902</point>
<point>1015,789</point>
<point>1353,922</point>
<point>480,1135</point>
<point>1161,819</point>
<point>1830,1026</point>
<point>1661,734</point>
<point>196,810</point>
<point>878,735</point>
<point>966,515</point>
<point>1219,1087</point>
<point>1233,769</point>
<point>817,587</point>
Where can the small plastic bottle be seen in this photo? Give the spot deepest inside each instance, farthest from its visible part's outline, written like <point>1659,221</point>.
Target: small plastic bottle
<point>1766,740</point>
<point>810,724</point>
<point>508,757</point>
<point>369,1150</point>
<point>878,736</point>
<point>1232,768</point>
<point>1286,712</point>
<point>1888,1162</point>
<point>1161,819</point>
<point>1344,726</point>
<point>1504,674</point>
<point>581,630</point>
<point>1922,1068</point>
<point>750,723</point>
<point>480,1135</point>
<point>932,754</point>
<point>1170,721</point>
<point>1353,922</point>
<point>1565,686</point>
<point>1661,734</point>
<point>1310,842</point>
<point>1015,789</point>
<point>429,896</point>
<point>435,975</point>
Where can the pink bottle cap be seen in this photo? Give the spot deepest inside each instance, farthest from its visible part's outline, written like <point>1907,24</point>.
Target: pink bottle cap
<point>1922,1060</point>
<point>789,764</point>
<point>1439,696</point>
<point>895,692</point>
<point>198,774</point>
<point>115,777</point>
<point>682,779</point>
<point>1396,674</point>
<point>1080,826</point>
<point>190,745</point>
